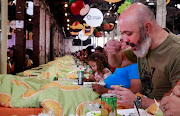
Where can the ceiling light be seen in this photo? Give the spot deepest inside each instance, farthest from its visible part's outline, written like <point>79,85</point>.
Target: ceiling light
<point>66,14</point>
<point>151,3</point>
<point>14,2</point>
<point>29,9</point>
<point>66,5</point>
<point>68,20</point>
<point>147,0</point>
<point>29,19</point>
<point>178,6</point>
<point>67,28</point>
<point>108,13</point>
<point>68,25</point>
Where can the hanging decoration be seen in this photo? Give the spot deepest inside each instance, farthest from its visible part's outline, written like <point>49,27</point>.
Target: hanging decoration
<point>87,30</point>
<point>94,18</point>
<point>71,1</point>
<point>108,26</point>
<point>98,32</point>
<point>75,28</point>
<point>79,7</point>
<point>82,36</point>
<point>109,21</point>
<point>125,5</point>
<point>113,1</point>
<point>167,1</point>
<point>29,9</point>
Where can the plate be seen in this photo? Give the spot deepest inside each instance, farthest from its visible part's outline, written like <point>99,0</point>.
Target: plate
<point>85,83</point>
<point>125,112</point>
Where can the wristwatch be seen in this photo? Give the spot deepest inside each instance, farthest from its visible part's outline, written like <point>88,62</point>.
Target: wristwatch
<point>138,101</point>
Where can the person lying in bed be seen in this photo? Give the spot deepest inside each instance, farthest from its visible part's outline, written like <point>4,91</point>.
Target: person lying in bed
<point>126,76</point>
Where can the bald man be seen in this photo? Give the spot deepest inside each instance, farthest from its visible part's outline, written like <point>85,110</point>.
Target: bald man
<point>156,50</point>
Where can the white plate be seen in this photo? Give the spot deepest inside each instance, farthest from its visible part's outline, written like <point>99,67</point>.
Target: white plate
<point>126,112</point>
<point>85,83</point>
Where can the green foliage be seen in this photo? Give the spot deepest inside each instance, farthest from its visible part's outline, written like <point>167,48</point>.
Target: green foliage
<point>71,1</point>
<point>95,30</point>
<point>104,22</point>
<point>123,6</point>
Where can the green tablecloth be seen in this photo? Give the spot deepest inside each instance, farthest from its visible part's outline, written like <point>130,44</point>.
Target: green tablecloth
<point>40,90</point>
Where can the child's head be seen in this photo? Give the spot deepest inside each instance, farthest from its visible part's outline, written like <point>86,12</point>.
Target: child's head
<point>98,62</point>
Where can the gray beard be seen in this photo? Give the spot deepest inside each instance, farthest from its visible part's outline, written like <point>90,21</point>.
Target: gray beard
<point>143,47</point>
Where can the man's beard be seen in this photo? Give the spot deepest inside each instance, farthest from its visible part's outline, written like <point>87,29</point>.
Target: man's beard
<point>143,45</point>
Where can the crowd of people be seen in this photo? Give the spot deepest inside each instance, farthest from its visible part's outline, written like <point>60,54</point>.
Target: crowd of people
<point>146,60</point>
<point>11,58</point>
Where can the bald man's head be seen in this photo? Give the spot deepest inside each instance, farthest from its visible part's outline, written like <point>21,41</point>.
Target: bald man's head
<point>136,25</point>
<point>139,13</point>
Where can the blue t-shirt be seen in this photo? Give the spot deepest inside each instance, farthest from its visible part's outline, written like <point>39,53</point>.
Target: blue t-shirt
<point>122,76</point>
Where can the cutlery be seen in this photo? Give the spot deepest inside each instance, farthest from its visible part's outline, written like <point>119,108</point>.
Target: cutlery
<point>136,108</point>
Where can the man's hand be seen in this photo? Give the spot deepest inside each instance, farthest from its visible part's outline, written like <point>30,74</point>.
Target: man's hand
<point>176,91</point>
<point>124,96</point>
<point>170,105</point>
<point>90,79</point>
<point>99,88</point>
<point>113,47</point>
<point>98,77</point>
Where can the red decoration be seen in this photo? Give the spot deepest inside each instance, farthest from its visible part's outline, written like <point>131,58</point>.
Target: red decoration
<point>76,7</point>
<point>99,34</point>
<point>108,26</point>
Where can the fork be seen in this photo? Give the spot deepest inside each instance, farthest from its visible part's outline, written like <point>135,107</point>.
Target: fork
<point>136,108</point>
<point>156,104</point>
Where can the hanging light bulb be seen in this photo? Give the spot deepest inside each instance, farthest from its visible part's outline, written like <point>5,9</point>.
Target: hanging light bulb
<point>178,6</point>
<point>66,5</point>
<point>66,14</point>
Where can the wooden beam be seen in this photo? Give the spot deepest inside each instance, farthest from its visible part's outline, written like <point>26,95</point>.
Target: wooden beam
<point>20,46</point>
<point>3,37</point>
<point>36,31</point>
